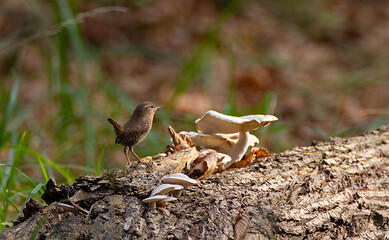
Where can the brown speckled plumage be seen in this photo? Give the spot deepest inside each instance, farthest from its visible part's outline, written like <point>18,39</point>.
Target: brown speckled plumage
<point>135,129</point>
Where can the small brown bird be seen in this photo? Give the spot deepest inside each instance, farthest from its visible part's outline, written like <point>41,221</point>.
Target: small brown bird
<point>135,129</point>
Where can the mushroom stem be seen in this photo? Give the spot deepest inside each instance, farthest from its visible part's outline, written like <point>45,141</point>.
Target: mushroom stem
<point>240,148</point>
<point>176,193</point>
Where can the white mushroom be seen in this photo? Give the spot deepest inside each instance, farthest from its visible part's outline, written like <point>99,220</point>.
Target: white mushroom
<point>241,147</point>
<point>163,202</point>
<point>165,188</point>
<point>215,123</point>
<point>222,143</point>
<point>154,199</point>
<point>168,199</point>
<point>180,179</point>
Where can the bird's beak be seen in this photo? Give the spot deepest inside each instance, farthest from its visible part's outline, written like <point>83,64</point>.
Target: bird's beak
<point>159,106</point>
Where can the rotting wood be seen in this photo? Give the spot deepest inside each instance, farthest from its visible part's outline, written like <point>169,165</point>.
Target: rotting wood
<point>296,194</point>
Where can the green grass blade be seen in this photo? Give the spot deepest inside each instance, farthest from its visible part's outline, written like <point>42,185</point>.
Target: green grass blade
<point>34,191</point>
<point>8,174</point>
<point>44,172</point>
<point>13,204</point>
<point>62,170</point>
<point>12,157</point>
<point>10,106</point>
<point>72,29</point>
<point>99,162</point>
<point>17,169</point>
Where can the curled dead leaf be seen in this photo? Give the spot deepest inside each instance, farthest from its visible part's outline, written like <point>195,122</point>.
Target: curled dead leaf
<point>79,196</point>
<point>180,160</point>
<point>170,149</point>
<point>260,152</point>
<point>187,139</point>
<point>203,166</point>
<point>195,233</point>
<point>255,153</point>
<point>241,225</point>
<point>180,143</point>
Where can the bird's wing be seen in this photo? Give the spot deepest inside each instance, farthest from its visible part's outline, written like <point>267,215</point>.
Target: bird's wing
<point>118,129</point>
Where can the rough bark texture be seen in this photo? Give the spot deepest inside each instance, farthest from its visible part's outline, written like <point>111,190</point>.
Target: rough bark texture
<point>337,189</point>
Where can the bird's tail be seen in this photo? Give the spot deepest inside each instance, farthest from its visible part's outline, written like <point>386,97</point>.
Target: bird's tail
<point>118,129</point>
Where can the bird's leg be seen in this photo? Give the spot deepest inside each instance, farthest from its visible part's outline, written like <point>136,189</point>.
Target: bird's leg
<point>126,148</point>
<point>135,155</point>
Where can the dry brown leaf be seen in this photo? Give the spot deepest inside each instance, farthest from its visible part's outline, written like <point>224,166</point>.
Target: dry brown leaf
<point>178,161</point>
<point>79,196</point>
<point>195,233</point>
<point>241,224</point>
<point>260,152</point>
<point>204,167</point>
<point>255,153</point>
<point>169,149</point>
<point>187,139</point>
<point>179,142</point>
<point>200,158</point>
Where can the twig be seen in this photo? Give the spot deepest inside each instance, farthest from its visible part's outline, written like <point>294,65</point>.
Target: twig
<point>79,18</point>
<point>78,207</point>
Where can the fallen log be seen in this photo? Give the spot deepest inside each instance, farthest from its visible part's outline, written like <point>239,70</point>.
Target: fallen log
<point>336,189</point>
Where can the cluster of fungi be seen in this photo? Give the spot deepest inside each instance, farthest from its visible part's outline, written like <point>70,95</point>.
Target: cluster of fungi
<point>222,141</point>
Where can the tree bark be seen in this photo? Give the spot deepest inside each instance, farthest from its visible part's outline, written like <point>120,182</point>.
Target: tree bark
<point>337,189</point>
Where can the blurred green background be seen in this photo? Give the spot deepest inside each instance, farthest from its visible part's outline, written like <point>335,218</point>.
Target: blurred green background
<point>67,65</point>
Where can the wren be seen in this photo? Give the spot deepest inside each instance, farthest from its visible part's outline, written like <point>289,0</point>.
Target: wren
<point>135,129</point>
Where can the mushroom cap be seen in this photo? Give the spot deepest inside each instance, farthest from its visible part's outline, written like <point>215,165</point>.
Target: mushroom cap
<point>155,198</point>
<point>220,142</point>
<point>180,179</point>
<point>165,188</point>
<point>215,122</point>
<point>168,199</point>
